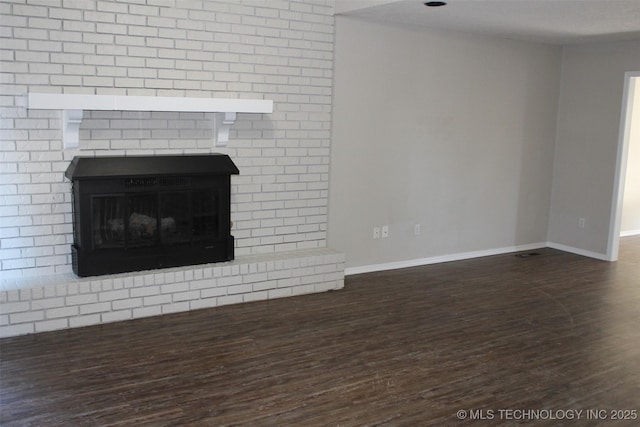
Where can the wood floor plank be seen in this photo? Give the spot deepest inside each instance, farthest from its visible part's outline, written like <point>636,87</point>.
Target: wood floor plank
<point>555,331</point>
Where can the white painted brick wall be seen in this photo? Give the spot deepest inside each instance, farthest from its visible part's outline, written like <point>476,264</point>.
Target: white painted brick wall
<point>266,49</point>
<point>64,301</point>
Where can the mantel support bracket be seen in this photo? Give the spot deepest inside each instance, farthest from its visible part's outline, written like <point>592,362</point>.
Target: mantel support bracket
<point>222,126</point>
<point>71,120</point>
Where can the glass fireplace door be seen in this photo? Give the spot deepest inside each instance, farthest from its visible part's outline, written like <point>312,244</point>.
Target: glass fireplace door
<point>175,223</point>
<point>188,217</point>
<point>107,221</point>
<point>120,221</point>
<point>206,224</point>
<point>142,220</point>
<point>153,219</point>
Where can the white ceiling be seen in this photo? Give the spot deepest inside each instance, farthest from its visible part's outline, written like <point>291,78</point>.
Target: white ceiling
<point>545,21</point>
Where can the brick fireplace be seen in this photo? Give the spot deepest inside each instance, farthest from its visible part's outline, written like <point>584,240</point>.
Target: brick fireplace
<point>148,212</point>
<point>282,51</point>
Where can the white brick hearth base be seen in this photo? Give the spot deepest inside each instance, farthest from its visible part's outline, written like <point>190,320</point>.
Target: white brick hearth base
<point>66,301</point>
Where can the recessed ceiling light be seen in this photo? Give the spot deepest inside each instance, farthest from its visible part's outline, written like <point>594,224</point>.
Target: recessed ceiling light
<point>435,3</point>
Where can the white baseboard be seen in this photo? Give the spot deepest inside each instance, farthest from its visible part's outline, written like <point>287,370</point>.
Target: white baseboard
<point>629,233</point>
<point>440,258</point>
<point>578,251</point>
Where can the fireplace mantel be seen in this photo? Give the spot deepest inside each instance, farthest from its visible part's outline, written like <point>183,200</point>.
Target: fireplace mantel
<point>73,105</point>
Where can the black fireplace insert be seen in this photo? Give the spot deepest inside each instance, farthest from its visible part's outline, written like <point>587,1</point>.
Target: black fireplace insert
<point>146,212</point>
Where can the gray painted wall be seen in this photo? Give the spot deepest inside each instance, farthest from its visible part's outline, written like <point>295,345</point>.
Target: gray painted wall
<point>589,113</point>
<point>451,131</point>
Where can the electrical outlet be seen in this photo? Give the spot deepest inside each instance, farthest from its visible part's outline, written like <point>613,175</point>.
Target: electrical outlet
<point>416,230</point>
<point>376,232</point>
<point>385,231</point>
<point>581,222</point>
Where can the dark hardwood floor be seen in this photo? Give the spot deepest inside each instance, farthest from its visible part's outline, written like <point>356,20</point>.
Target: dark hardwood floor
<point>495,337</point>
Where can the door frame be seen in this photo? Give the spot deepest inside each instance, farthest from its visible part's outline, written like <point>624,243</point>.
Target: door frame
<point>631,79</point>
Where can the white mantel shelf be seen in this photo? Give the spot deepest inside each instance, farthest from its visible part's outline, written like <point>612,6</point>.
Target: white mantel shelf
<point>73,106</point>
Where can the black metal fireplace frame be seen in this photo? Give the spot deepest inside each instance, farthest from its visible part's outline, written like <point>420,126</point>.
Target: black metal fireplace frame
<point>155,177</point>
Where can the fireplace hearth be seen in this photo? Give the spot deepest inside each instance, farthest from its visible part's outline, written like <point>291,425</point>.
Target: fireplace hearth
<point>147,212</point>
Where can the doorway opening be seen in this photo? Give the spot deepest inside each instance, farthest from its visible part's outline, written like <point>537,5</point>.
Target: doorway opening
<point>629,128</point>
